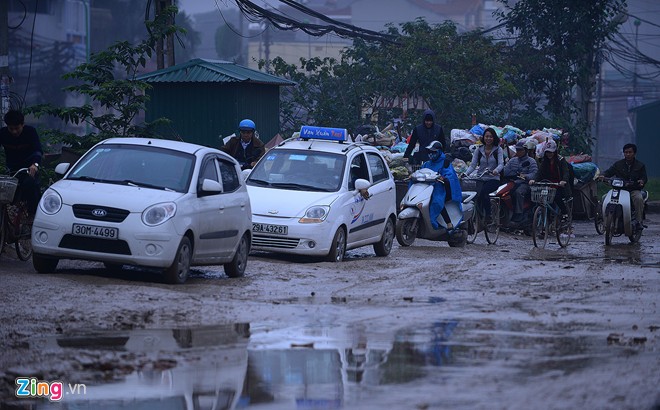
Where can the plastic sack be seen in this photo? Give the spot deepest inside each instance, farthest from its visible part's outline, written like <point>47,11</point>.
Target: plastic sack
<point>459,135</point>
<point>576,159</point>
<point>585,171</point>
<point>400,147</point>
<point>459,165</point>
<point>478,129</point>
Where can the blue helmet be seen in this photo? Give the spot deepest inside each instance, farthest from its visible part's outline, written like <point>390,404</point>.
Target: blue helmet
<point>247,125</point>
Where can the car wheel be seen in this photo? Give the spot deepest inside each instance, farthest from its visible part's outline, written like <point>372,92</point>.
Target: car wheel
<point>236,268</point>
<point>338,247</point>
<point>384,246</point>
<point>44,264</point>
<point>178,272</point>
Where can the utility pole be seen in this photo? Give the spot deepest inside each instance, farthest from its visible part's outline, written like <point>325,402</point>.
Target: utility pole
<point>5,78</point>
<point>637,23</point>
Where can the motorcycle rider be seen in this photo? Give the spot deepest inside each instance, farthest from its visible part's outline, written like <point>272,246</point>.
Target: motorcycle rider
<point>448,187</point>
<point>520,169</point>
<point>630,169</point>
<point>246,148</point>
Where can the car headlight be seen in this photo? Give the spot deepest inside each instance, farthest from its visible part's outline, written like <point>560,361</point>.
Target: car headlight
<point>51,202</point>
<point>158,214</point>
<point>315,214</point>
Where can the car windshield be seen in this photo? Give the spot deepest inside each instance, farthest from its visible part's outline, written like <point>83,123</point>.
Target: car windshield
<point>299,170</point>
<point>134,165</point>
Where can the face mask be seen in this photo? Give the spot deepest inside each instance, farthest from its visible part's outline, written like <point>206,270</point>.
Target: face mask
<point>434,155</point>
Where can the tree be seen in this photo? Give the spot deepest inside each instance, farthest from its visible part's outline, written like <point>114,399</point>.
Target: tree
<point>116,97</point>
<point>559,41</point>
<point>455,74</point>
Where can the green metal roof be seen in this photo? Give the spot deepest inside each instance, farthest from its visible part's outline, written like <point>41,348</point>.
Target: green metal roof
<point>202,70</point>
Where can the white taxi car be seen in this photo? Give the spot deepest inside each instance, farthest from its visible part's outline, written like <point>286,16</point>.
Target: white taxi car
<point>146,202</point>
<point>322,195</point>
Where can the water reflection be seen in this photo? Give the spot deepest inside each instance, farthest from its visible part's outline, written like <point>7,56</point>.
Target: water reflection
<point>308,366</point>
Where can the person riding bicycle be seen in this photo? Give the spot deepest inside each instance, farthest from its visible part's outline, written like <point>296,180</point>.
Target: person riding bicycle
<point>554,168</point>
<point>23,150</point>
<point>630,169</point>
<point>447,189</point>
<point>488,162</point>
<point>520,169</point>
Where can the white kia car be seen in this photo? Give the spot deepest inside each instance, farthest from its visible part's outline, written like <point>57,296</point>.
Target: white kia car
<point>146,202</point>
<point>322,195</point>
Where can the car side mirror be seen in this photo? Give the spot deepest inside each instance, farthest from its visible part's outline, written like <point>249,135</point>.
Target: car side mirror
<point>245,174</point>
<point>62,168</point>
<point>211,186</point>
<point>362,186</point>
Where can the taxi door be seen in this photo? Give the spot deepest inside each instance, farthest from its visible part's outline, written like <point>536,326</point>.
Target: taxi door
<point>367,216</point>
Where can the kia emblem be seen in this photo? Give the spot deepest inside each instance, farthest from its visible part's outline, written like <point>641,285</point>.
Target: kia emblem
<point>99,213</point>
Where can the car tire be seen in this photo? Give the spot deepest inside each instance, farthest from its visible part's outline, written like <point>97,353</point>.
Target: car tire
<point>384,246</point>
<point>44,264</point>
<point>178,272</point>
<point>338,247</point>
<point>236,268</point>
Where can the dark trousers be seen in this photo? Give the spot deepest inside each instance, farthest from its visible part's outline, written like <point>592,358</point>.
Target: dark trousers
<point>484,188</point>
<point>28,190</point>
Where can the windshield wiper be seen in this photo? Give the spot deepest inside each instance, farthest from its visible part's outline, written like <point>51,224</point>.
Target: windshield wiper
<point>301,187</point>
<point>259,181</point>
<point>139,184</point>
<point>86,178</point>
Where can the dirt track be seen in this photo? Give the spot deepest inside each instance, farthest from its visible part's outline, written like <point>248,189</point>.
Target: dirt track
<point>504,326</point>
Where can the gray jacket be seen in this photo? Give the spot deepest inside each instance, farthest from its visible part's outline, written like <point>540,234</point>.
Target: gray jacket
<point>521,165</point>
<point>494,162</point>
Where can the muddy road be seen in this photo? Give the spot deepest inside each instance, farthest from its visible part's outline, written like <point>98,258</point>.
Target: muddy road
<point>503,326</point>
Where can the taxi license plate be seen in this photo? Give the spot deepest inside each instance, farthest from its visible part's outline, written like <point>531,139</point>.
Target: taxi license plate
<point>95,231</point>
<point>268,228</point>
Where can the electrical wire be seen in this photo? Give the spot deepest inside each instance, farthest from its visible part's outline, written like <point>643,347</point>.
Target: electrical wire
<point>24,16</point>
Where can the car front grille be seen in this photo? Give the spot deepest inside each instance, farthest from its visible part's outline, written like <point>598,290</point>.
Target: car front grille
<point>84,211</point>
<point>100,245</point>
<point>275,242</point>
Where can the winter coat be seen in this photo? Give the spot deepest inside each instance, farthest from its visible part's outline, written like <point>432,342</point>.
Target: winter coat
<point>632,172</point>
<point>425,136</point>
<point>255,150</point>
<point>494,162</point>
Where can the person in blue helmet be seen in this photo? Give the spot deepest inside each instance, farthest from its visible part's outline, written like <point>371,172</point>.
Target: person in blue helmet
<point>448,188</point>
<point>245,148</point>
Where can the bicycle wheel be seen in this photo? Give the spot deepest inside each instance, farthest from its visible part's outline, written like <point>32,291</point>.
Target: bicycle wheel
<point>599,221</point>
<point>540,227</point>
<point>492,230</point>
<point>564,230</point>
<point>473,226</point>
<point>24,242</point>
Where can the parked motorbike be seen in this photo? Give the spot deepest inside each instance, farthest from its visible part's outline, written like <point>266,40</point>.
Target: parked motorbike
<point>618,212</point>
<point>414,220</point>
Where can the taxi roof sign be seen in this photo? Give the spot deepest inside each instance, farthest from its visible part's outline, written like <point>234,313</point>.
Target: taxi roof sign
<point>323,133</point>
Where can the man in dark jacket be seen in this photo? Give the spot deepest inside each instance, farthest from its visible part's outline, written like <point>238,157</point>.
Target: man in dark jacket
<point>22,150</point>
<point>425,134</point>
<point>247,148</point>
<point>632,170</point>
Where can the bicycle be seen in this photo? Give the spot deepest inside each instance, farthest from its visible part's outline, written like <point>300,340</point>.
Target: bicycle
<point>547,215</point>
<point>15,223</point>
<point>477,222</point>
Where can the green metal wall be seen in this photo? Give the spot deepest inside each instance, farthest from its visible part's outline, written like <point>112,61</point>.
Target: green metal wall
<point>205,113</point>
<point>648,137</point>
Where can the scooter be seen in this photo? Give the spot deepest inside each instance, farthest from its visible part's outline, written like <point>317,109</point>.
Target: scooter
<point>414,220</point>
<point>618,213</point>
